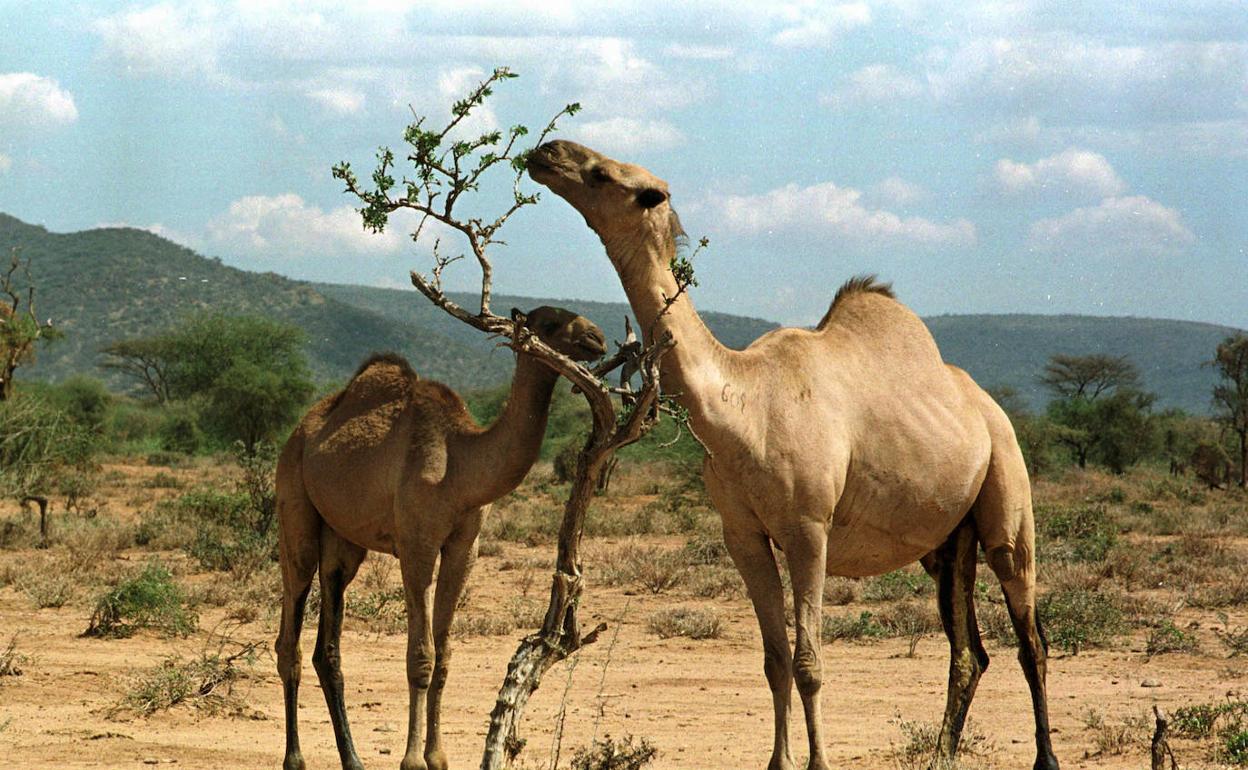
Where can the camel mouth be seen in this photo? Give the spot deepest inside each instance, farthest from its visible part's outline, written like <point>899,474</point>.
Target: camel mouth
<point>591,347</point>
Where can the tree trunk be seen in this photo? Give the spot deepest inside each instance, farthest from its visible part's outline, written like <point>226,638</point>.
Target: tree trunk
<point>560,634</point>
<point>1243,459</point>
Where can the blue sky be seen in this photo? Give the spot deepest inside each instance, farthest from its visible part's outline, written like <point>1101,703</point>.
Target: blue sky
<point>1003,156</point>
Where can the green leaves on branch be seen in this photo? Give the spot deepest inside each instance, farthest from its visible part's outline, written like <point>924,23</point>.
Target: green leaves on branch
<point>444,167</point>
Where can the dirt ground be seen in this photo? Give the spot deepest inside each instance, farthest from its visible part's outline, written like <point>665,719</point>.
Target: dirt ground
<point>703,704</point>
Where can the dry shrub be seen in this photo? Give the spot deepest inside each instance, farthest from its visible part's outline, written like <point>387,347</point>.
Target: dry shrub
<point>207,681</point>
<point>1113,738</point>
<point>716,583</point>
<point>609,754</point>
<point>52,588</point>
<point>917,751</point>
<point>12,662</point>
<point>481,624</point>
<point>839,591</point>
<point>687,622</point>
<point>655,569</point>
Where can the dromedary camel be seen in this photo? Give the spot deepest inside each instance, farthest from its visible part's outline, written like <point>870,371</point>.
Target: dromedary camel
<point>853,448</point>
<point>394,463</point>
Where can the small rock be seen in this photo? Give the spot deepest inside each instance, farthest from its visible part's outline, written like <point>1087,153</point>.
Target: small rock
<point>383,751</point>
<point>1150,683</point>
<point>151,761</point>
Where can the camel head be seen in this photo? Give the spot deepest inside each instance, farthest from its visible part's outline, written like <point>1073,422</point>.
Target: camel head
<point>572,335</point>
<point>618,200</point>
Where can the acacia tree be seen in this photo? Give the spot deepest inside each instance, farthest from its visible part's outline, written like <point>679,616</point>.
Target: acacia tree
<point>1230,396</point>
<point>20,329</point>
<point>1088,376</point>
<point>145,359</point>
<point>444,168</point>
<point>1100,412</point>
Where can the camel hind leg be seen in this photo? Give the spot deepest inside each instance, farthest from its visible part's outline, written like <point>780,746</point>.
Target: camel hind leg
<point>299,527</point>
<point>953,568</point>
<point>340,561</point>
<point>1006,527</point>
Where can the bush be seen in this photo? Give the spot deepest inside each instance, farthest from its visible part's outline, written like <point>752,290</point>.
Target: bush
<point>689,622</point>
<point>1080,533</point>
<point>1167,637</point>
<point>206,680</point>
<point>609,754</point>
<point>1075,618</point>
<point>37,443</point>
<point>180,431</point>
<point>86,401</point>
<point>865,626</point>
<point>150,599</point>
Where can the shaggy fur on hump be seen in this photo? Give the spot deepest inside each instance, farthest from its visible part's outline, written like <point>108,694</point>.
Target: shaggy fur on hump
<point>857,285</point>
<point>386,357</point>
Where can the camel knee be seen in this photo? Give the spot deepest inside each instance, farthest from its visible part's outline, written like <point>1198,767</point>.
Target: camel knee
<point>777,668</point>
<point>288,659</point>
<point>327,658</point>
<point>441,669</point>
<point>807,672</point>
<point>420,668</point>
<point>1001,560</point>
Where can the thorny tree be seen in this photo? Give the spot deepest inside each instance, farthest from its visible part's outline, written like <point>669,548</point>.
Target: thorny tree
<point>20,329</point>
<point>444,169</point>
<point>1230,396</point>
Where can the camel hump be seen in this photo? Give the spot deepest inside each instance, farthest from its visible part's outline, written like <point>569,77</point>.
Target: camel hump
<point>388,357</point>
<point>859,284</point>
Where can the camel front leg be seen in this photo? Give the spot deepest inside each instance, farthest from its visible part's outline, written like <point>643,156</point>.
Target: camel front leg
<point>807,554</point>
<point>751,552</point>
<point>458,555</point>
<point>417,564</point>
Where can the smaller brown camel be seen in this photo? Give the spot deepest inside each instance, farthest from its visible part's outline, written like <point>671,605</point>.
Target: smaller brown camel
<point>394,463</point>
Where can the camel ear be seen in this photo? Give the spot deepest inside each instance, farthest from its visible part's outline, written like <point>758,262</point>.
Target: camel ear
<point>518,316</point>
<point>651,197</point>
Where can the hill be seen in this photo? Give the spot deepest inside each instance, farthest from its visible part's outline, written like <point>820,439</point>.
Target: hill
<point>108,284</point>
<point>112,283</point>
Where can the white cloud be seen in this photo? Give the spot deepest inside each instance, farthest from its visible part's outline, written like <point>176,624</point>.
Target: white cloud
<point>698,52</point>
<point>836,212</point>
<point>1064,77</point>
<point>1124,227</point>
<point>29,101</point>
<point>164,39</point>
<point>6,163</point>
<point>874,84</point>
<point>1072,171</point>
<point>895,191</point>
<point>627,135</point>
<point>168,233</point>
<point>812,24</point>
<point>287,227</point>
<point>343,101</point>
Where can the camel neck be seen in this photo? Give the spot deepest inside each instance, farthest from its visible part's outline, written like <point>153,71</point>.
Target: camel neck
<point>498,458</point>
<point>699,366</point>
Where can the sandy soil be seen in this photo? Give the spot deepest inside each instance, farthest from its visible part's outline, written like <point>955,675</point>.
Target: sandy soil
<point>704,704</point>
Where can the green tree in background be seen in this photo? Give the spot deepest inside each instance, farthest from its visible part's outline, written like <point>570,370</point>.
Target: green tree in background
<point>248,375</point>
<point>1230,396</point>
<point>1100,414</point>
<point>20,329</point>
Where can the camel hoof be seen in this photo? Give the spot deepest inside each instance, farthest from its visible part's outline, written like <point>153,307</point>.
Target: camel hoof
<point>294,762</point>
<point>413,763</point>
<point>436,760</point>
<point>1046,762</point>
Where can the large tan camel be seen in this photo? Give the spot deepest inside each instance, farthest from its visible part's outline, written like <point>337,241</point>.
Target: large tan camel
<point>853,448</point>
<point>395,464</point>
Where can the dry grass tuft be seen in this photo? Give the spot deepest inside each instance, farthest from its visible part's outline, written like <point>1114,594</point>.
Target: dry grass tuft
<point>687,622</point>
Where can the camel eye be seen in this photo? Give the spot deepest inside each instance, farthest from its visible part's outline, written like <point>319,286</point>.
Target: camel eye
<point>600,175</point>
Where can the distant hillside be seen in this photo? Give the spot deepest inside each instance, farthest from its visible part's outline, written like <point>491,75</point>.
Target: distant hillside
<point>108,284</point>
<point>103,285</point>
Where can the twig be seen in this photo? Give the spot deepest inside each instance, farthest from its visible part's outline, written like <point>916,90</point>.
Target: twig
<point>602,681</point>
